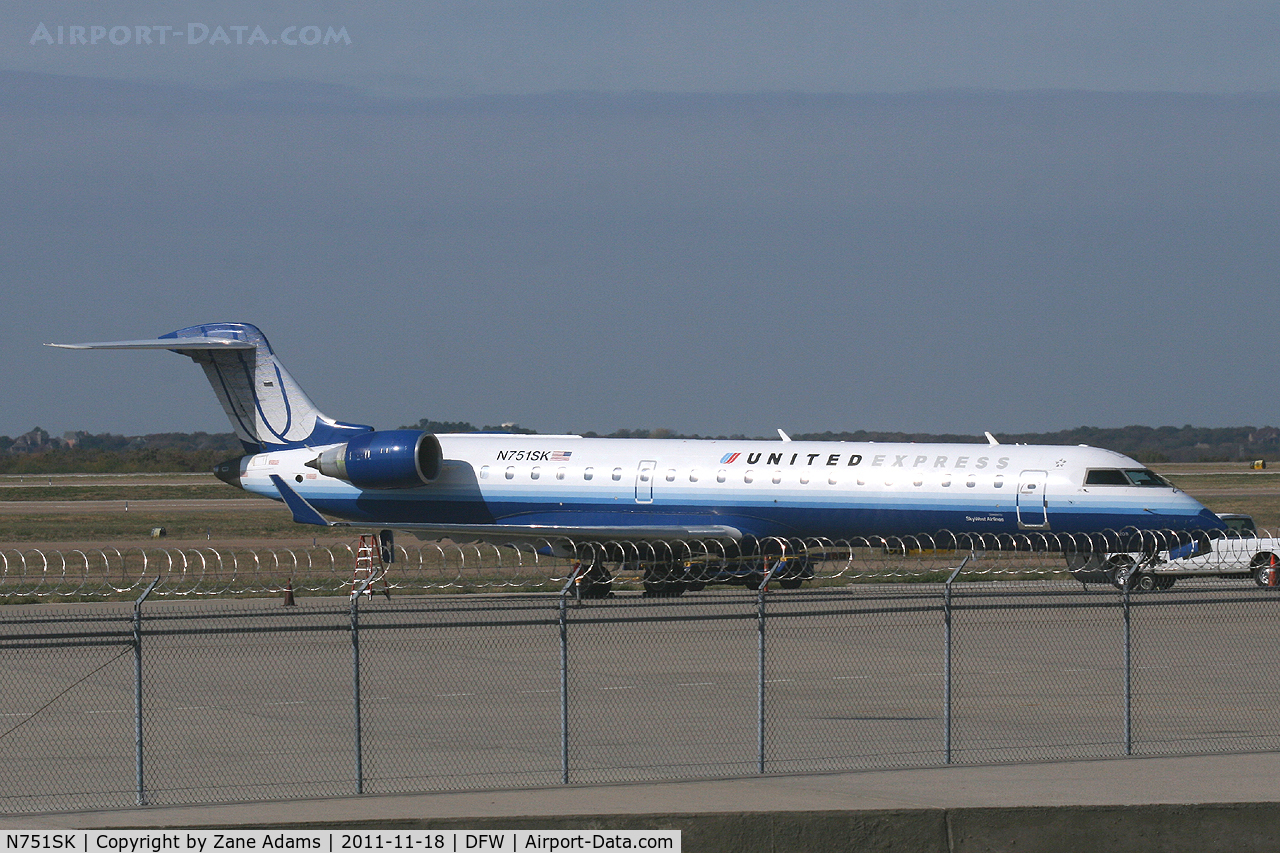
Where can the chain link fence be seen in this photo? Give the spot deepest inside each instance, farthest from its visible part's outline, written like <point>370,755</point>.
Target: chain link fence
<point>167,701</point>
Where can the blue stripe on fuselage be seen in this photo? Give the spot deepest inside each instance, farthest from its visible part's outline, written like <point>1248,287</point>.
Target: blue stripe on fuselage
<point>763,519</point>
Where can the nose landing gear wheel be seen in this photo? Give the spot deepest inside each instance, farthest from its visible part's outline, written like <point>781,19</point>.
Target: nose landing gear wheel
<point>1118,567</point>
<point>1145,582</point>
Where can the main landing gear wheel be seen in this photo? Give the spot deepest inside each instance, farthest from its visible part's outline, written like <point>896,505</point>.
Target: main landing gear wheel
<point>596,581</point>
<point>660,582</point>
<point>663,589</point>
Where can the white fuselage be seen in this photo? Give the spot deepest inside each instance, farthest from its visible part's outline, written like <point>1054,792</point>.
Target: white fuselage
<point>778,488</point>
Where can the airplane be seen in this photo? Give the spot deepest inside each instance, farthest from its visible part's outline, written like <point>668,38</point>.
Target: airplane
<point>559,491</point>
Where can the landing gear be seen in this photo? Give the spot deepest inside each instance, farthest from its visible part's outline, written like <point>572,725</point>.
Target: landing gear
<point>1119,569</point>
<point>1146,582</point>
<point>664,580</point>
<point>596,581</point>
<point>1120,566</point>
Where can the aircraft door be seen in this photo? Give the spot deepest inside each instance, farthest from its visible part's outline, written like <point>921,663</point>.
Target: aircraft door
<point>644,481</point>
<point>1033,500</point>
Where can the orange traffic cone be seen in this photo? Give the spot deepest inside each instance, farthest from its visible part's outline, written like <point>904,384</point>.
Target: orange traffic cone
<point>288,594</point>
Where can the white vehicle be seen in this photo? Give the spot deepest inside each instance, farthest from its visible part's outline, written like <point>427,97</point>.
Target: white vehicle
<point>1236,552</point>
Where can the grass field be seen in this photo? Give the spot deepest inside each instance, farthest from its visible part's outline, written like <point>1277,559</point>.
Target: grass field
<point>112,492</point>
<point>1226,487</point>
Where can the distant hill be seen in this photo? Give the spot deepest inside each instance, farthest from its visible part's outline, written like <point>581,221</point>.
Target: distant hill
<point>37,452</point>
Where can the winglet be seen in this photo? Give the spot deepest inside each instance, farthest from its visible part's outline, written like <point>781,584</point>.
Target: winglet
<point>303,512</point>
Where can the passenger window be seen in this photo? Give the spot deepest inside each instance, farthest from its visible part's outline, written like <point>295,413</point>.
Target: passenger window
<point>971,482</point>
<point>559,473</point>
<point>617,473</point>
<point>588,473</point>
<point>484,472</point>
<point>999,481</point>
<point>946,481</point>
<point>804,479</point>
<point>535,473</point>
<point>749,477</point>
<point>831,481</point>
<point>693,476</point>
<point>720,476</point>
<point>671,475</point>
<point>511,472</point>
<point>777,477</point>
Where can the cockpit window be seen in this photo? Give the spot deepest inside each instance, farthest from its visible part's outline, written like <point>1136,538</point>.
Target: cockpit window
<point>1145,477</point>
<point>1126,477</point>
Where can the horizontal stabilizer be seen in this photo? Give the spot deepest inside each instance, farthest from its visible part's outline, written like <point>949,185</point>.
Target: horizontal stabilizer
<point>169,343</point>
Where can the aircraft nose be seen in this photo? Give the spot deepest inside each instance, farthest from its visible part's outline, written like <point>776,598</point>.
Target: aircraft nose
<point>1206,519</point>
<point>229,471</point>
<point>1193,515</point>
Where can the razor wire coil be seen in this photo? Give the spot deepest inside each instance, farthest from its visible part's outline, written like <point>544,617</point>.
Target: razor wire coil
<point>105,572</point>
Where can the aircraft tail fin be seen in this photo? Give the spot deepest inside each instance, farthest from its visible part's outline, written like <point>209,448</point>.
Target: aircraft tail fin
<point>266,407</point>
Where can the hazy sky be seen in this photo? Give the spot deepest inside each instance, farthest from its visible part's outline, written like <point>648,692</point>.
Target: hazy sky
<point>588,216</point>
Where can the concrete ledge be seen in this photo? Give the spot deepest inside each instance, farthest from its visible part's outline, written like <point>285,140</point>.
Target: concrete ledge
<point>1229,828</point>
<point>1204,803</point>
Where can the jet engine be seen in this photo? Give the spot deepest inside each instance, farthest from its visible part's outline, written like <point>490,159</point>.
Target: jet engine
<point>384,459</point>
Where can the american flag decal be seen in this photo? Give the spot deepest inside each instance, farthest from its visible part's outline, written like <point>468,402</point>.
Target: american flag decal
<point>560,455</point>
<point>729,457</point>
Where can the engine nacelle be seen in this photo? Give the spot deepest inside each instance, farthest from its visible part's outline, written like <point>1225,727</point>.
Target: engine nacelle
<point>384,459</point>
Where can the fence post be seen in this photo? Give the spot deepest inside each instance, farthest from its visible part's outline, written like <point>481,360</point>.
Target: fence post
<point>1128,674</point>
<point>760,596</point>
<point>355,677</point>
<point>946,661</point>
<point>137,691</point>
<point>571,583</point>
